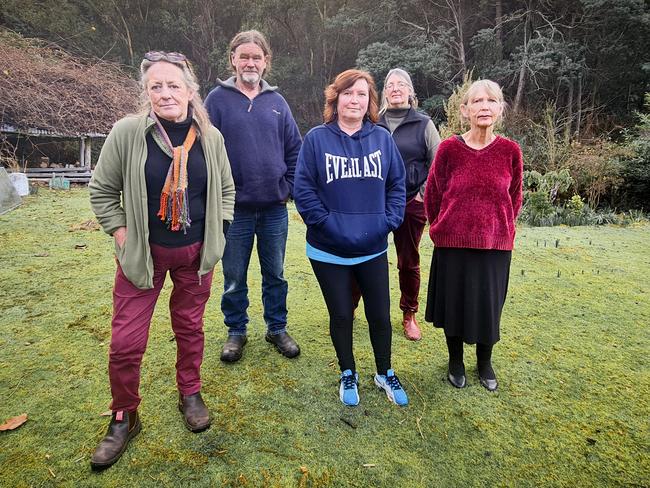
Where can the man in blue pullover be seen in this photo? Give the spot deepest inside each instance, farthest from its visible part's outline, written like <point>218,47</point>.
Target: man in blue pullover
<point>262,141</point>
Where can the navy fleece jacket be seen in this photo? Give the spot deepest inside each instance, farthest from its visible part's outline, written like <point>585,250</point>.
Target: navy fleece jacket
<point>262,142</point>
<point>350,190</point>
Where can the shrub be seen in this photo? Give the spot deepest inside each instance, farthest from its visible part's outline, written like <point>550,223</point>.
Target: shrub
<point>595,170</point>
<point>542,144</point>
<point>455,123</point>
<point>635,164</point>
<point>543,206</point>
<point>636,216</point>
<point>553,183</point>
<point>574,211</point>
<point>537,209</point>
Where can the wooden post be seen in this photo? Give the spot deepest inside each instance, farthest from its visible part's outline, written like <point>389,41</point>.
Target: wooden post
<point>82,152</point>
<point>88,158</point>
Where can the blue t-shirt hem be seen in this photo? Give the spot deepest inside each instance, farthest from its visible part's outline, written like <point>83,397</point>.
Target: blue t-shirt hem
<point>325,257</point>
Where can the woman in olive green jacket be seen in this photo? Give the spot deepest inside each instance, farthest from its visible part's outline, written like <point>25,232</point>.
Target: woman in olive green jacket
<point>163,189</point>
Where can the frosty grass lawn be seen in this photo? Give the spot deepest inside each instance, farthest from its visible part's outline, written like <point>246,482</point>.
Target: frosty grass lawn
<point>573,363</point>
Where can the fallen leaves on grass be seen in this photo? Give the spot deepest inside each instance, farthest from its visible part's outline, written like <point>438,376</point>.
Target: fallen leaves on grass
<point>305,476</point>
<point>87,225</point>
<point>14,422</point>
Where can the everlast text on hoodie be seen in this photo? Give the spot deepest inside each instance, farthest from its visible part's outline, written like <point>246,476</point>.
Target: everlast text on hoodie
<point>350,190</point>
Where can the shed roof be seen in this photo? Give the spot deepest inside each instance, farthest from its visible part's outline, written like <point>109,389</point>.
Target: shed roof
<point>47,91</point>
<point>12,129</point>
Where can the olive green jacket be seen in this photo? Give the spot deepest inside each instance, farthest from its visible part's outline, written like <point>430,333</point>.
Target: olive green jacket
<point>118,196</point>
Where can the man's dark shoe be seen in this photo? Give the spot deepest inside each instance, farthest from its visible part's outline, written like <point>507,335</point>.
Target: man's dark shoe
<point>195,413</point>
<point>233,348</point>
<point>284,344</point>
<point>124,426</point>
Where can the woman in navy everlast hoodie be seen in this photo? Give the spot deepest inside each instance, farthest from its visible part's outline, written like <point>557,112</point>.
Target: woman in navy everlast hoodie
<point>349,189</point>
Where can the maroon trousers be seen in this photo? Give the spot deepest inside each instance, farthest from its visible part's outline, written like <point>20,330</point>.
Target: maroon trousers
<point>132,311</point>
<point>407,243</point>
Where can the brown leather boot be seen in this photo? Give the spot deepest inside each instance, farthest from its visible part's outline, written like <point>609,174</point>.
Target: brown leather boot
<point>411,329</point>
<point>233,348</point>
<point>195,413</point>
<point>124,426</point>
<point>284,343</point>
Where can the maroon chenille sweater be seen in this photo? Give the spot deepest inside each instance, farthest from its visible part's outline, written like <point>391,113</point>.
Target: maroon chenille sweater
<point>472,196</point>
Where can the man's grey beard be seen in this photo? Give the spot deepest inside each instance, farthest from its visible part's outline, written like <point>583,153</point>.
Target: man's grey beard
<point>250,78</point>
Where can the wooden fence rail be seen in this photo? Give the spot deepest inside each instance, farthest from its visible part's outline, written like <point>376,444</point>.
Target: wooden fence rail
<point>74,174</point>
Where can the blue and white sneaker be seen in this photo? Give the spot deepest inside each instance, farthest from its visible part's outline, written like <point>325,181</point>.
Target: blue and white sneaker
<point>393,388</point>
<point>348,391</point>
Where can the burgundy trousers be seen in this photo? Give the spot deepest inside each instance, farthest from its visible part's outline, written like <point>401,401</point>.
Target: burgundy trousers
<point>132,311</point>
<point>407,243</point>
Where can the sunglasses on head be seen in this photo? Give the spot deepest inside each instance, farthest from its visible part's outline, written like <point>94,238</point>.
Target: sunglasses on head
<point>154,56</point>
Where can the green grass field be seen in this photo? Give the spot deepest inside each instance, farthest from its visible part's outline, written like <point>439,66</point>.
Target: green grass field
<point>572,409</point>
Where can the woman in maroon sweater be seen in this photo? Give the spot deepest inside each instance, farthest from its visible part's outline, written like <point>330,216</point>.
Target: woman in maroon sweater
<point>472,199</point>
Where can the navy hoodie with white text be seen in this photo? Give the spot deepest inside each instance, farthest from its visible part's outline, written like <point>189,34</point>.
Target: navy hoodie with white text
<point>350,190</point>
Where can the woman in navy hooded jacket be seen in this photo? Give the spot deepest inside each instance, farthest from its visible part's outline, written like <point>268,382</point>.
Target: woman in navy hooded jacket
<point>349,189</point>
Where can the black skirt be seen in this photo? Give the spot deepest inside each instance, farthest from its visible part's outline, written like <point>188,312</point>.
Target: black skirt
<point>467,290</point>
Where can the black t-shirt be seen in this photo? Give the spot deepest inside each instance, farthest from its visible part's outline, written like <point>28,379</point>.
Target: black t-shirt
<point>156,168</point>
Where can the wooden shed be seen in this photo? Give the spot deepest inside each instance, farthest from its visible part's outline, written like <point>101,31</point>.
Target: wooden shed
<point>47,94</point>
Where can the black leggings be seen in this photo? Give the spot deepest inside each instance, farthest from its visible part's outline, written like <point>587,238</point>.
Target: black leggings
<point>335,282</point>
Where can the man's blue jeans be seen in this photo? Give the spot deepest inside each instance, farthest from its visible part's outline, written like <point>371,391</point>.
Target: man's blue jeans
<point>270,225</point>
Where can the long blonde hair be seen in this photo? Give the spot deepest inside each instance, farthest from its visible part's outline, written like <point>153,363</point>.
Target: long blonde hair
<point>195,104</point>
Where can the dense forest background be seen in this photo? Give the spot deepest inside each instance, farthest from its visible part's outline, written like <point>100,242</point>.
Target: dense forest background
<point>575,72</point>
